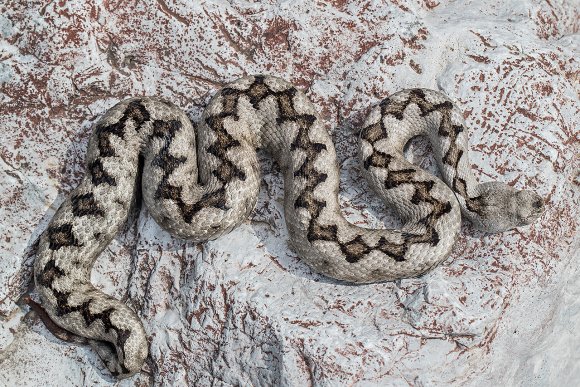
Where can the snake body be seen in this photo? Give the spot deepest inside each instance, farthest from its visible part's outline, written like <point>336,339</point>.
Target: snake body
<point>201,184</point>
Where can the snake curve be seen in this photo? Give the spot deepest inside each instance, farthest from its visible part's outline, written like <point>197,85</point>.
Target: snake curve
<point>201,184</point>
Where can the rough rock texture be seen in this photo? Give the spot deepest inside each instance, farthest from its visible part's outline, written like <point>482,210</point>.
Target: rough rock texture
<point>503,309</point>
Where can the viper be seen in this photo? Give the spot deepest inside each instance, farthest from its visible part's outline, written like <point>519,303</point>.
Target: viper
<point>200,184</point>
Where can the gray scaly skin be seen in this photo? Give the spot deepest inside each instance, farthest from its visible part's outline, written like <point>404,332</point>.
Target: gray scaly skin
<point>201,196</point>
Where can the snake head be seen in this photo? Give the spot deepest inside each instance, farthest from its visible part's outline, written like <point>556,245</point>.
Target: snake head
<point>504,207</point>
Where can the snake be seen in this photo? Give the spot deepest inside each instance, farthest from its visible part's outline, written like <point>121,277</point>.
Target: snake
<point>200,183</point>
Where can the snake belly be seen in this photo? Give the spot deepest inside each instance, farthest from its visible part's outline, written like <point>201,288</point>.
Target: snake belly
<point>200,184</point>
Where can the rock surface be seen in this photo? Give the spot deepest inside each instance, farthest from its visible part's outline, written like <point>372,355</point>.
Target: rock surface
<point>243,310</point>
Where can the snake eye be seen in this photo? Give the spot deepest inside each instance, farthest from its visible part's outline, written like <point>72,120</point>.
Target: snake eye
<point>538,203</point>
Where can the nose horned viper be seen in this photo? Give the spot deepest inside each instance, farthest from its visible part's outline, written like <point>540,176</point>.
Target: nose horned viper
<point>200,184</point>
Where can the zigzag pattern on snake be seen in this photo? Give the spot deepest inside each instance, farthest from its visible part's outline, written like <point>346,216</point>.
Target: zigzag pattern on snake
<point>201,184</point>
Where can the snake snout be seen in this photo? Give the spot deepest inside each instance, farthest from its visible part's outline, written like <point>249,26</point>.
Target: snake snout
<point>530,206</point>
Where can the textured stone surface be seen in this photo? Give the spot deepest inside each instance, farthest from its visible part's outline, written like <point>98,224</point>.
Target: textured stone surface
<point>503,309</point>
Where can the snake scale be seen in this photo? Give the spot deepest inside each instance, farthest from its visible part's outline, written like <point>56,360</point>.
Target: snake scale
<point>200,184</point>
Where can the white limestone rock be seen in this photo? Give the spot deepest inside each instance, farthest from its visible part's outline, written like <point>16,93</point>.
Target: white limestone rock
<point>243,310</point>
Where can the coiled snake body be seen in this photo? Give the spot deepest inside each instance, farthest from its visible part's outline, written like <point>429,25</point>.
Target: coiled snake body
<point>200,196</point>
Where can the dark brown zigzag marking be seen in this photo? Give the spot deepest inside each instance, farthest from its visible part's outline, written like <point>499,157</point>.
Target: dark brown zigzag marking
<point>99,175</point>
<point>356,248</point>
<point>416,96</point>
<point>61,236</point>
<point>63,308</point>
<point>215,199</point>
<point>227,170</point>
<point>85,205</point>
<point>257,92</point>
<point>307,170</point>
<point>396,251</point>
<point>377,159</point>
<point>167,162</point>
<point>122,337</point>
<point>134,111</point>
<point>164,159</point>
<point>317,232</point>
<point>475,204</point>
<point>287,113</point>
<point>452,157</point>
<point>396,178</point>
<point>375,132</point>
<point>49,273</point>
<point>421,194</point>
